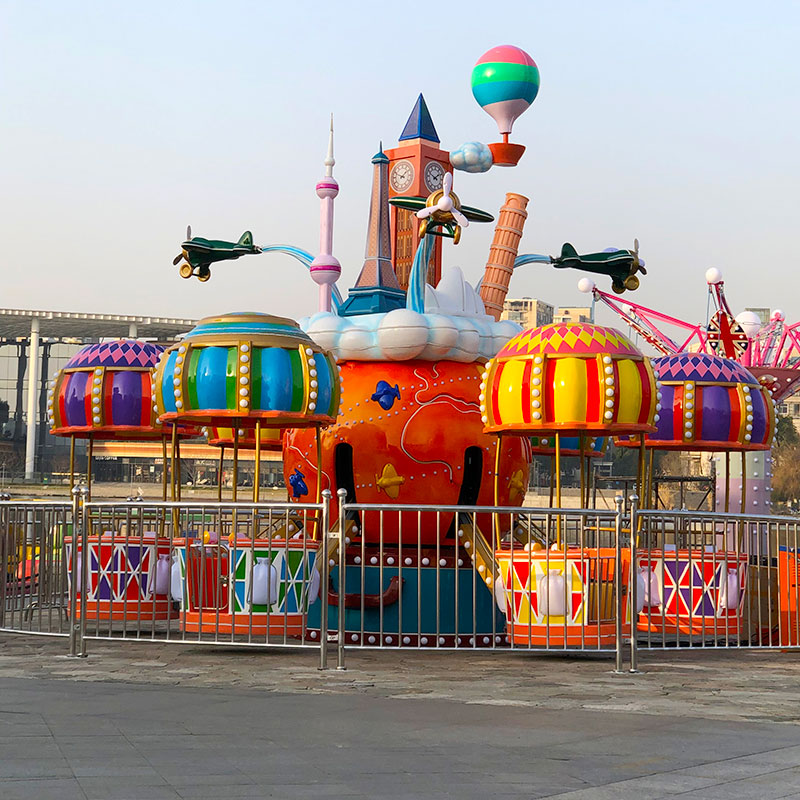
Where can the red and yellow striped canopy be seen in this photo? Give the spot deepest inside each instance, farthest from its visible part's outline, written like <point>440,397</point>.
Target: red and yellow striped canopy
<point>570,378</point>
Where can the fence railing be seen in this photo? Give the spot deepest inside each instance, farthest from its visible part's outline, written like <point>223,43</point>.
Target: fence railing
<point>458,578</point>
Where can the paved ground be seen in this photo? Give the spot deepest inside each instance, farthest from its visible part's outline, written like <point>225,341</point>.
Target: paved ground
<point>139,721</point>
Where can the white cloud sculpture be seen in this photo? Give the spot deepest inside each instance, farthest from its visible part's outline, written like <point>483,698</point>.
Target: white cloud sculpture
<point>454,327</point>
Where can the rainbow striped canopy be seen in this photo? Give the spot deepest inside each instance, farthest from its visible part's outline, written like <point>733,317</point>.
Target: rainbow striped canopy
<point>242,367</point>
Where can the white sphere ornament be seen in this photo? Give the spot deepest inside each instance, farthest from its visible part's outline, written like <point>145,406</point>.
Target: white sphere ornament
<point>586,285</point>
<point>713,275</point>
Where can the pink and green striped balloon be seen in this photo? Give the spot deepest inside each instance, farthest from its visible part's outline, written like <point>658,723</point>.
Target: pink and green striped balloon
<point>505,81</point>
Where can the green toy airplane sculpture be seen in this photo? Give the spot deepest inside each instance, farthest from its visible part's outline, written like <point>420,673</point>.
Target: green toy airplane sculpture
<point>200,253</point>
<point>620,265</point>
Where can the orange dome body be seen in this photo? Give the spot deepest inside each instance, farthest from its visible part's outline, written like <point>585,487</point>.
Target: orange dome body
<point>409,433</point>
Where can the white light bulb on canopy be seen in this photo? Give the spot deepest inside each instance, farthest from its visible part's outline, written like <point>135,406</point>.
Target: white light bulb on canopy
<point>713,275</point>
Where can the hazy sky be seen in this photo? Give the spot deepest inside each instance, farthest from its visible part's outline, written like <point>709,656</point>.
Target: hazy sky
<point>677,122</point>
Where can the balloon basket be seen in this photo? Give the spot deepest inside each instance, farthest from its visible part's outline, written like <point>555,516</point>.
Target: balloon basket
<point>121,578</point>
<point>693,592</point>
<point>561,599</point>
<point>505,154</point>
<point>259,587</point>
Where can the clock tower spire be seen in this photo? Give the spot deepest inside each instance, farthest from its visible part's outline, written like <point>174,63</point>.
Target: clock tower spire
<point>416,168</point>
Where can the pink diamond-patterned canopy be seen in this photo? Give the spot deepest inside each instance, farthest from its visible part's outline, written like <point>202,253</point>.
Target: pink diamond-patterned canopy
<point>120,353</point>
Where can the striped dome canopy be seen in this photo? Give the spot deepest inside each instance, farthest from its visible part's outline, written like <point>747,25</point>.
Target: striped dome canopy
<point>573,378</point>
<point>710,403</point>
<point>105,392</point>
<point>238,368</point>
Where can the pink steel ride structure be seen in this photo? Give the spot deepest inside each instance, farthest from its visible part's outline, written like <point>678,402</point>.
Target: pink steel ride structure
<point>771,352</point>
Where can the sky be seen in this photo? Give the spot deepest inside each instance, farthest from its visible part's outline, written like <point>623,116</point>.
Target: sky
<point>674,122</point>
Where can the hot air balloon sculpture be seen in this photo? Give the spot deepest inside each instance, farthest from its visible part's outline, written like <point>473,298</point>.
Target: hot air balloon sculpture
<point>505,81</point>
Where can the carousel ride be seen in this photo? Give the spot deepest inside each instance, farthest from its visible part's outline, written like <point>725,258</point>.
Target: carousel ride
<point>406,399</point>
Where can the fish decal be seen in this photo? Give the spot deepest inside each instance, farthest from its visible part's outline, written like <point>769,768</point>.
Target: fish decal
<point>389,481</point>
<point>298,484</point>
<point>385,395</point>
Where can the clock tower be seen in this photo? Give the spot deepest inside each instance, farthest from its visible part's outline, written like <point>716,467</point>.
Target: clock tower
<point>416,169</point>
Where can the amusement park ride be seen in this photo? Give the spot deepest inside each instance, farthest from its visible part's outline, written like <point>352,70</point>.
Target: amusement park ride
<point>412,394</point>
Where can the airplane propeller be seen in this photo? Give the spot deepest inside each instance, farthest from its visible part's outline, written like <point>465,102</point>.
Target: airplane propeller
<point>638,263</point>
<point>445,204</point>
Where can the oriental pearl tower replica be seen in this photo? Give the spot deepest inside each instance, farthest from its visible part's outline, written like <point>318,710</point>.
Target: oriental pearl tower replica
<point>325,268</point>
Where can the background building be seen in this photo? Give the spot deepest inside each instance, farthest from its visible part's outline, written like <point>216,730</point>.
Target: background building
<point>33,346</point>
<point>527,312</point>
<point>573,314</point>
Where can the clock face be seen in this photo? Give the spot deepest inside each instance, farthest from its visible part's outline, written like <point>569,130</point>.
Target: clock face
<point>434,174</point>
<point>402,176</point>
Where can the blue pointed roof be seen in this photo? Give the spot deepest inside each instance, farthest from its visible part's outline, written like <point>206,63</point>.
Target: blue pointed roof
<point>420,125</point>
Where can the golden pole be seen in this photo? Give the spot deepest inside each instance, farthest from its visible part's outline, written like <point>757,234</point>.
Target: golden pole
<point>318,493</point>
<point>727,481</point>
<point>71,465</point>
<point>496,518</point>
<point>650,478</point>
<point>235,459</point>
<point>164,476</point>
<point>173,490</point>
<point>257,467</point>
<point>583,471</point>
<point>552,478</point>
<point>178,464</point>
<point>219,472</point>
<point>642,466</point>
<point>558,489</point>
<point>89,468</point>
<point>744,481</point>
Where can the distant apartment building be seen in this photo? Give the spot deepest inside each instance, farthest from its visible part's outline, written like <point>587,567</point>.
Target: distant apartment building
<point>573,314</point>
<point>527,312</point>
<point>762,313</point>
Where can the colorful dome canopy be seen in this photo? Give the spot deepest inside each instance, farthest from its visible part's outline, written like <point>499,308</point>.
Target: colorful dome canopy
<point>105,392</point>
<point>593,446</point>
<point>710,403</point>
<point>571,378</point>
<point>271,438</point>
<point>247,366</point>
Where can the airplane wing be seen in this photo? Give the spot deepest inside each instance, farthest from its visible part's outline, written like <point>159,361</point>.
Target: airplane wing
<point>476,215</point>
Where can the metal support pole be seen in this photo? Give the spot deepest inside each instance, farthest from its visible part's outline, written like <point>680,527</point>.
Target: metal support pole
<point>79,570</point>
<point>632,581</point>
<point>83,492</point>
<point>618,501</point>
<point>33,383</point>
<point>325,575</point>
<point>257,467</point>
<point>342,494</point>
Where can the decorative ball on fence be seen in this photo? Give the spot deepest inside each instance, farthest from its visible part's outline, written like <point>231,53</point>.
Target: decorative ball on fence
<point>104,392</point>
<point>571,378</point>
<point>242,367</point>
<point>710,403</point>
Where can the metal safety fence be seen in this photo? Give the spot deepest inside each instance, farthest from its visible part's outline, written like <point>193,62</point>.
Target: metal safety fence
<point>354,576</point>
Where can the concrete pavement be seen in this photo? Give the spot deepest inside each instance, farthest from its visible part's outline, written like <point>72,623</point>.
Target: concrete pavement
<point>139,721</point>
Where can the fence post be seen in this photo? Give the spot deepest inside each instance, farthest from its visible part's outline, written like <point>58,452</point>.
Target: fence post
<point>618,501</point>
<point>633,581</point>
<point>325,575</point>
<point>5,554</point>
<point>75,579</point>
<point>340,624</point>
